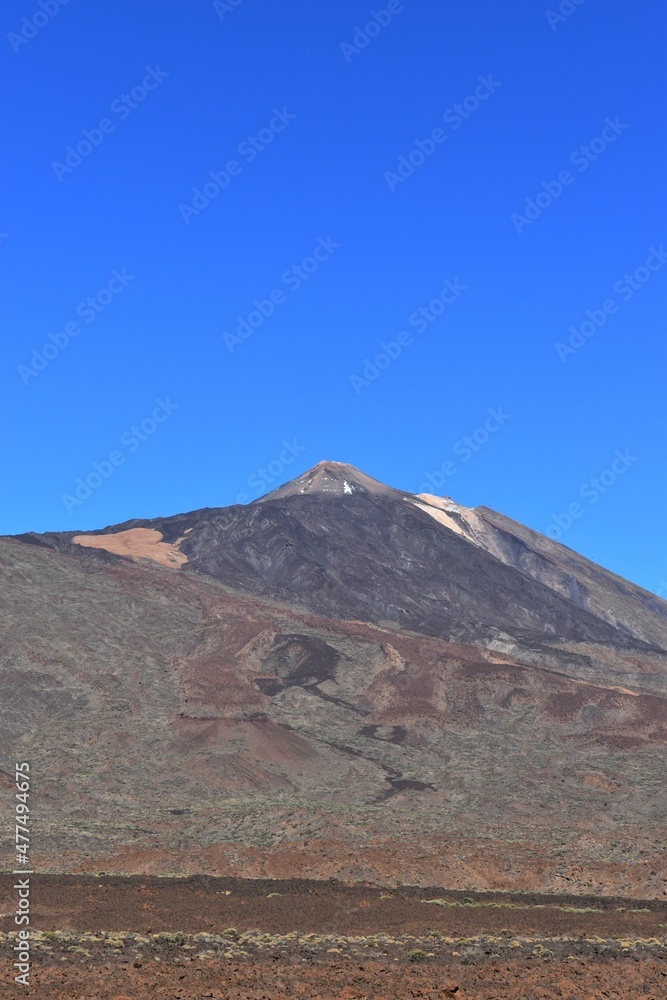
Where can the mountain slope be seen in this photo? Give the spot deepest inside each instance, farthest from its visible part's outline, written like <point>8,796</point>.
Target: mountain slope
<point>582,582</point>
<point>337,679</point>
<point>174,725</point>
<point>338,543</point>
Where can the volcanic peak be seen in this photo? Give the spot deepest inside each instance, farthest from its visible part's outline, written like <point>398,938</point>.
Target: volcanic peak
<point>333,479</point>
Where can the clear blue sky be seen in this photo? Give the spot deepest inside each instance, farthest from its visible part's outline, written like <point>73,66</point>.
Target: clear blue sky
<point>308,124</point>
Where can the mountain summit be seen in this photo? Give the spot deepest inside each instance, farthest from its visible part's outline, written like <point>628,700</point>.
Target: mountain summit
<point>331,478</point>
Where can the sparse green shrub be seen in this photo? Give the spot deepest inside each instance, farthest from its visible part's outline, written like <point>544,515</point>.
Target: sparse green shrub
<point>178,939</point>
<point>417,955</point>
<point>580,909</point>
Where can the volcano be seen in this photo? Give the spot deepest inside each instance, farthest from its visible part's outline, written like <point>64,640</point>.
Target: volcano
<point>339,543</point>
<point>341,678</point>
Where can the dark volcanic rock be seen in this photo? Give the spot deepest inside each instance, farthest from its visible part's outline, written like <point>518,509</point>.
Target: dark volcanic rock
<point>376,558</point>
<point>338,543</point>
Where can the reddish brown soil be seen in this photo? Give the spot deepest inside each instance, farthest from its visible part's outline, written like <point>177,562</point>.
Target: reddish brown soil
<point>145,904</point>
<point>137,543</point>
<point>460,863</point>
<point>227,939</point>
<point>348,980</point>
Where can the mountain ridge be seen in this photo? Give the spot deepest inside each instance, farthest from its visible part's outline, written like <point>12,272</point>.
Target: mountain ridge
<point>338,542</point>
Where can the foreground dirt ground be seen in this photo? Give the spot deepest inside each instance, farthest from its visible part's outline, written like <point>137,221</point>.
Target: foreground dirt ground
<point>345,980</point>
<point>131,938</point>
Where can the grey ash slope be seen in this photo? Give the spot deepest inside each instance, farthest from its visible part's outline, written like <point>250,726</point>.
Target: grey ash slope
<point>338,543</point>
<point>583,582</point>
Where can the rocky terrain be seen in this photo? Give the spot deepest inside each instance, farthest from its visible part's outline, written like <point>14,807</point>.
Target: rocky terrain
<point>339,544</point>
<point>200,937</point>
<point>339,681</point>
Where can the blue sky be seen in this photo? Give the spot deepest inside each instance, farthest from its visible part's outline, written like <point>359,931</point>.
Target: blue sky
<point>238,209</point>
